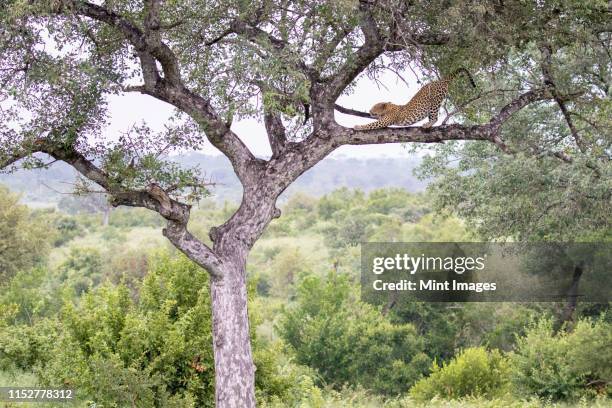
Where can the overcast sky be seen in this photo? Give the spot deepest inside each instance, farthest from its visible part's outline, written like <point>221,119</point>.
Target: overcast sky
<point>129,109</point>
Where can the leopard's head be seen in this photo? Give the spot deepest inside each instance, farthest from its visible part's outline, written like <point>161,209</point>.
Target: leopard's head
<point>381,109</point>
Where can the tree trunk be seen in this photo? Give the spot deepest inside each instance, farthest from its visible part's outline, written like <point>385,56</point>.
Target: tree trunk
<point>567,315</point>
<point>234,368</point>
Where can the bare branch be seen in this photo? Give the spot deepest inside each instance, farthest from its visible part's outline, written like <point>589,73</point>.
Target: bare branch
<point>517,104</point>
<point>353,112</point>
<point>475,98</point>
<point>219,38</point>
<point>195,249</point>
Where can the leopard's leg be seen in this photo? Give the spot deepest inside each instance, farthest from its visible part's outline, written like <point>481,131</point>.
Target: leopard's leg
<point>433,118</point>
<point>379,124</point>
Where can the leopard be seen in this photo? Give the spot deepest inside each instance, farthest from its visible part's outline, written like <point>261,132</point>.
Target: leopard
<point>424,104</point>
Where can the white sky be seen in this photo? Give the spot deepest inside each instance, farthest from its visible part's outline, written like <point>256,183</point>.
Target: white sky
<point>128,109</point>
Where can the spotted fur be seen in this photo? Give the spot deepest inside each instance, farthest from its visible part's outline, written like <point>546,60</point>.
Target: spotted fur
<point>425,104</point>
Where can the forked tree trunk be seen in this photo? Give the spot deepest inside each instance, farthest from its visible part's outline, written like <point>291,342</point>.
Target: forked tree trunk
<point>234,368</point>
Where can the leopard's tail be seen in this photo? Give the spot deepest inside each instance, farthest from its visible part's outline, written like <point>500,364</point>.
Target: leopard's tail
<point>460,71</point>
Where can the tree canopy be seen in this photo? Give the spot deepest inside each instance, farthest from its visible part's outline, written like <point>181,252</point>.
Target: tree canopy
<point>542,70</point>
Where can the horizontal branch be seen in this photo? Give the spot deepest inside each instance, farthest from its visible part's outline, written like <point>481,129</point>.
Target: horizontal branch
<point>301,156</point>
<point>436,134</point>
<point>332,135</point>
<point>489,131</point>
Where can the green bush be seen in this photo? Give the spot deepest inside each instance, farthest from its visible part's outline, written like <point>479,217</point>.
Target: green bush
<point>439,326</point>
<point>67,228</point>
<point>348,342</point>
<point>29,296</point>
<point>23,242</point>
<point>564,365</point>
<point>82,269</point>
<point>118,350</point>
<point>22,347</point>
<point>475,372</point>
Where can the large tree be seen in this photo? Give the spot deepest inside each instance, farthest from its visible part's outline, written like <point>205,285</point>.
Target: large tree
<point>286,62</point>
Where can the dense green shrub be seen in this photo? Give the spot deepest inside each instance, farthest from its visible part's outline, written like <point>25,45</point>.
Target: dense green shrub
<point>564,365</point>
<point>348,341</point>
<point>23,347</point>
<point>23,242</point>
<point>397,201</point>
<point>82,268</point>
<point>67,228</point>
<point>340,199</point>
<point>350,228</point>
<point>475,372</point>
<point>28,297</point>
<point>119,351</point>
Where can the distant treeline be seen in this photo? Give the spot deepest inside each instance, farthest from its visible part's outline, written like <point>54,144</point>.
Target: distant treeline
<point>49,186</point>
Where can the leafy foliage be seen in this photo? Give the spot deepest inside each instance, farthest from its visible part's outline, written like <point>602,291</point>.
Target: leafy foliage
<point>127,314</point>
<point>23,244</point>
<point>118,351</point>
<point>347,342</point>
<point>564,365</point>
<point>474,372</point>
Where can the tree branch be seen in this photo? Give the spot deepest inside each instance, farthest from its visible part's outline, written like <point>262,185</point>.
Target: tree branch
<point>148,42</point>
<point>352,112</point>
<point>193,248</point>
<point>176,213</point>
<point>313,149</point>
<point>217,131</point>
<point>276,132</point>
<point>517,104</point>
<point>12,158</point>
<point>299,157</point>
<point>368,52</point>
<point>170,88</point>
<point>489,131</point>
<point>255,34</point>
<point>548,79</point>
